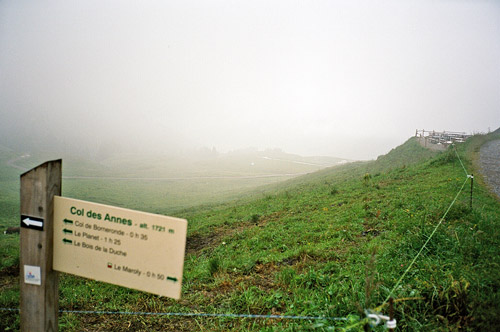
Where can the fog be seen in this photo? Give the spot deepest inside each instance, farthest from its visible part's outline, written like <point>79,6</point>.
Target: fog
<point>351,79</point>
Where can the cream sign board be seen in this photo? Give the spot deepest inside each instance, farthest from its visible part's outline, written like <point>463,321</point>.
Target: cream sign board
<point>124,247</point>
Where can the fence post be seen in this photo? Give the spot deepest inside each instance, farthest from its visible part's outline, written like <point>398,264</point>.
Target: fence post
<point>471,188</point>
<point>38,282</point>
<point>391,312</point>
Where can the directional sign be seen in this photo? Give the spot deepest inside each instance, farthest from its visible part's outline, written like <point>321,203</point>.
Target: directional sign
<point>32,222</point>
<point>129,248</point>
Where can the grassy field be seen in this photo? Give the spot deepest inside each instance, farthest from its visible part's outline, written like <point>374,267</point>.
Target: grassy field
<point>331,243</point>
<point>157,184</point>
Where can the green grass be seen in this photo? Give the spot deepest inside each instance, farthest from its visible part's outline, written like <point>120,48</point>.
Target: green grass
<point>156,184</point>
<point>331,243</point>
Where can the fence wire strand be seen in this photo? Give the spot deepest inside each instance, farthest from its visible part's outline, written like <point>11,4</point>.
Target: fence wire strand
<point>190,314</point>
<point>423,247</point>
<point>460,160</point>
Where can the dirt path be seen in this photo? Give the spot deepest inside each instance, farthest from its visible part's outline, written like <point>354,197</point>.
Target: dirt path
<point>490,164</point>
<point>12,163</point>
<point>183,178</point>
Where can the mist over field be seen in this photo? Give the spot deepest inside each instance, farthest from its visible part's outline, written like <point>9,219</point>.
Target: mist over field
<point>349,79</point>
<point>282,132</point>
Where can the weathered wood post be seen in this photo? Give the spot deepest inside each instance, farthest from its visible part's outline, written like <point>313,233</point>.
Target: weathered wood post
<point>471,188</point>
<point>391,312</point>
<point>39,283</point>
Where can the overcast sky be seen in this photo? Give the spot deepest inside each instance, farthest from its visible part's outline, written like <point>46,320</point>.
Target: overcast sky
<point>343,78</point>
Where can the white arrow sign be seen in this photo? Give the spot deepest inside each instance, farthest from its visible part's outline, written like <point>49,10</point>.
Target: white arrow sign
<point>29,222</point>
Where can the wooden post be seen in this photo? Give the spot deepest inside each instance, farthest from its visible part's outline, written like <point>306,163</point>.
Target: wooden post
<point>391,312</point>
<point>471,188</point>
<point>39,283</point>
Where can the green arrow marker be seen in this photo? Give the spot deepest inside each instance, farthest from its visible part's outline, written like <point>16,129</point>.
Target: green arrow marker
<point>67,221</point>
<point>67,241</point>
<point>172,279</point>
<point>67,231</point>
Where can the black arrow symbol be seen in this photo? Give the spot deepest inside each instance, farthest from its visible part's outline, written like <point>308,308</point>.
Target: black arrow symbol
<point>67,241</point>
<point>67,221</point>
<point>172,279</point>
<point>67,231</point>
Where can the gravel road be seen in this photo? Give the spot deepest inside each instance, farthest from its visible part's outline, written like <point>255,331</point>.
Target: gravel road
<point>490,164</point>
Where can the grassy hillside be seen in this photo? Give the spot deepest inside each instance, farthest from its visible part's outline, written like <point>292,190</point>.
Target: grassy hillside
<point>330,244</point>
<point>160,184</point>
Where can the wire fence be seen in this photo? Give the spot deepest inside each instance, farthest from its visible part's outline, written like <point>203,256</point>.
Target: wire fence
<point>191,314</point>
<point>460,160</point>
<point>424,245</point>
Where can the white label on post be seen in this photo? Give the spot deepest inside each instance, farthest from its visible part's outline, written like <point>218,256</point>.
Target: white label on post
<point>32,275</point>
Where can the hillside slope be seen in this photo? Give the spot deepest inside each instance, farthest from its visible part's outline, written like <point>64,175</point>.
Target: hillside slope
<point>329,244</point>
<point>156,183</point>
<point>307,249</point>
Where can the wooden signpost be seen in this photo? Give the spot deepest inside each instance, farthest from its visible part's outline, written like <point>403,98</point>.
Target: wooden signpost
<point>129,248</point>
<point>39,282</point>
